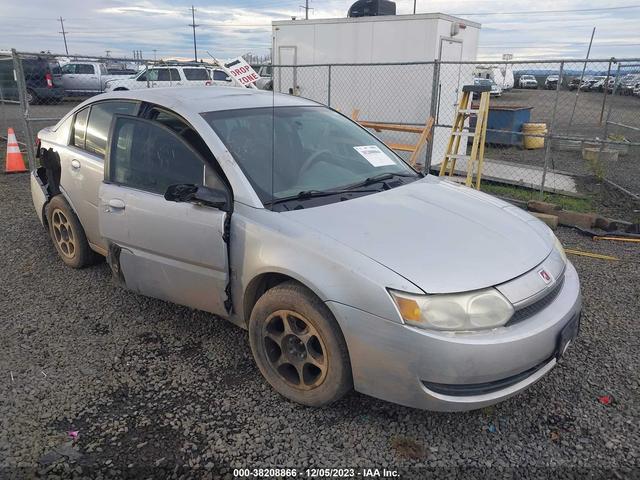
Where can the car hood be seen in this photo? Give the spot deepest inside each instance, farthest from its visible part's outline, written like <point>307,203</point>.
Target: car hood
<point>441,236</point>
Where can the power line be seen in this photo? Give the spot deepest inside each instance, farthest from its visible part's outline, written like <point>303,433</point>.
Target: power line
<point>193,24</point>
<point>536,12</point>
<point>64,35</point>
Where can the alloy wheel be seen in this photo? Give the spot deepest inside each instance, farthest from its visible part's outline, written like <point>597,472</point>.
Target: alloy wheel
<point>295,349</point>
<point>63,233</point>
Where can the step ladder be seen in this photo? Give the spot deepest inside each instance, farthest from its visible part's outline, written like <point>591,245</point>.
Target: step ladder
<point>458,131</point>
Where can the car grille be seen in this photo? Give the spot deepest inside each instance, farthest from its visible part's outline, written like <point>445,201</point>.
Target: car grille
<point>530,310</point>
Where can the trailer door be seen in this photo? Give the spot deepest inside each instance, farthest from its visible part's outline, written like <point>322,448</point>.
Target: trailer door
<point>450,51</point>
<point>287,76</point>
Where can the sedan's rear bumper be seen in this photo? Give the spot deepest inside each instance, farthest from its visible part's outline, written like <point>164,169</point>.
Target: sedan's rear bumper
<point>449,372</point>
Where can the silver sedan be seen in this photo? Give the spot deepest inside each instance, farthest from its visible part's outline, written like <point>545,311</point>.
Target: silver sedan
<point>349,269</point>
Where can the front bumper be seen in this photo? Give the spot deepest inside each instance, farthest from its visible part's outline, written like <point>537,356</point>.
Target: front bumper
<point>448,372</point>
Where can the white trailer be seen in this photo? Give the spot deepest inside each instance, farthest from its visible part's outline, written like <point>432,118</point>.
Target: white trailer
<point>383,93</point>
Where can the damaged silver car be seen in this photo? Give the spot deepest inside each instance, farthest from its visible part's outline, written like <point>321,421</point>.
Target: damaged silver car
<point>349,269</point>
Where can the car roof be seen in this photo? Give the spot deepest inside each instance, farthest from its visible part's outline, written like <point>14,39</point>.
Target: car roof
<point>209,98</point>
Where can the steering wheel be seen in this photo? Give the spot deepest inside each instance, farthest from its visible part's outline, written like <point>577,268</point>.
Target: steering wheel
<point>309,161</point>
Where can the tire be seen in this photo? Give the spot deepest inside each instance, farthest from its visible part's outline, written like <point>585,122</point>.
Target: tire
<point>314,369</point>
<point>68,235</point>
<point>32,98</point>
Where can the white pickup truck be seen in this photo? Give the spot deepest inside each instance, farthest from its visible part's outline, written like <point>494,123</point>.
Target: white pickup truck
<point>82,78</point>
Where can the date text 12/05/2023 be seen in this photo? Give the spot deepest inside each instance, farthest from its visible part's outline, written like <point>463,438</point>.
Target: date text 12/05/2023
<point>315,473</point>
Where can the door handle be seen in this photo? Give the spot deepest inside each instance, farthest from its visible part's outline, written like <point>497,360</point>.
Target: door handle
<point>75,164</point>
<point>116,204</point>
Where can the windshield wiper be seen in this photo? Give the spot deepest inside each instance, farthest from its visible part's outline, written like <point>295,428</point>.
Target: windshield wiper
<point>381,177</point>
<point>307,194</point>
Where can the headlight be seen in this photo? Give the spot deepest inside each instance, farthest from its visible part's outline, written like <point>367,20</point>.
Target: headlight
<point>477,310</point>
<point>558,246</point>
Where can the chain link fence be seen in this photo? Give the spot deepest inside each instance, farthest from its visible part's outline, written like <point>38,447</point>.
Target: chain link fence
<point>564,130</point>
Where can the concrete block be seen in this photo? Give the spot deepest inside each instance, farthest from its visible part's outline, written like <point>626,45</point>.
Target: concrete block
<point>582,220</point>
<point>543,207</point>
<point>550,220</point>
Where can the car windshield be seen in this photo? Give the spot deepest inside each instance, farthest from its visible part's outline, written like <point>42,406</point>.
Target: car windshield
<point>483,81</point>
<point>528,77</point>
<point>287,150</point>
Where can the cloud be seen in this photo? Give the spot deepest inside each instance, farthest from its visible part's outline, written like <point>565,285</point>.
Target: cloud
<point>229,28</point>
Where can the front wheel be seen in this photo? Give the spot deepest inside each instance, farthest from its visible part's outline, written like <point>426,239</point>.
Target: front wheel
<point>299,347</point>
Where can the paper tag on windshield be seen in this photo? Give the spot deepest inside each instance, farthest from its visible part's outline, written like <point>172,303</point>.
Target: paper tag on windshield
<point>374,155</point>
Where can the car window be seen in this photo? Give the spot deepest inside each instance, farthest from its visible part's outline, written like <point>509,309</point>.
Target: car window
<point>100,122</point>
<point>85,69</point>
<point>69,68</point>
<point>221,76</point>
<point>150,157</point>
<point>286,150</point>
<point>196,74</point>
<point>103,69</point>
<point>143,76</point>
<point>80,127</point>
<point>55,69</point>
<point>166,75</point>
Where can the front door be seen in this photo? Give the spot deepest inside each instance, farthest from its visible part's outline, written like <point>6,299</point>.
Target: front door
<point>163,249</point>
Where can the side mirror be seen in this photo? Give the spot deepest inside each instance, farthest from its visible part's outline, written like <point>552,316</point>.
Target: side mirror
<point>199,195</point>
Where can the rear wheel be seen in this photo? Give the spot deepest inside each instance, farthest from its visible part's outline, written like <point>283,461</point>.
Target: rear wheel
<point>299,347</point>
<point>68,235</point>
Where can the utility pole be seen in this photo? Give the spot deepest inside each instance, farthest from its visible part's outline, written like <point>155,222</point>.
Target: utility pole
<point>64,35</point>
<point>414,6</point>
<point>194,25</point>
<point>306,9</point>
<point>154,54</point>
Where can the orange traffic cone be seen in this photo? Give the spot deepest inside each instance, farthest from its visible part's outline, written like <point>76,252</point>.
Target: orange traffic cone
<point>15,163</point>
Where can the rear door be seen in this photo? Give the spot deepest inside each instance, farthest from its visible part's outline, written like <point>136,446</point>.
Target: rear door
<point>168,250</point>
<point>88,79</point>
<point>82,162</point>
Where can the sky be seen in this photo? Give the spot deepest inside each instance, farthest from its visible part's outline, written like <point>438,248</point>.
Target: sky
<point>528,30</point>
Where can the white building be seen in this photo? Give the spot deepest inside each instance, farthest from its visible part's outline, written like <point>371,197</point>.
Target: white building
<point>384,93</point>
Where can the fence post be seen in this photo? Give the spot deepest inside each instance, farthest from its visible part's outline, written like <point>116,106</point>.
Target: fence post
<point>433,112</point>
<point>549,135</point>
<point>329,87</point>
<point>606,89</point>
<point>605,133</point>
<point>24,104</point>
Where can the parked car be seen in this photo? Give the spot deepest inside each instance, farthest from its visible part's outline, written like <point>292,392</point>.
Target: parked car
<point>42,79</point>
<point>85,78</point>
<point>592,83</point>
<point>551,82</point>
<point>527,81</point>
<point>574,83</point>
<point>306,248</point>
<point>265,82</point>
<point>627,84</point>
<point>122,71</point>
<point>496,91</point>
<point>220,77</point>
<point>164,76</point>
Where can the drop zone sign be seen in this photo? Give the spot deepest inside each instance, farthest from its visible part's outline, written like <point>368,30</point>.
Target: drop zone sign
<point>240,70</point>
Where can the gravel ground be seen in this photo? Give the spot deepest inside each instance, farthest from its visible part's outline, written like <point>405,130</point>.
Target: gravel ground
<point>155,389</point>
